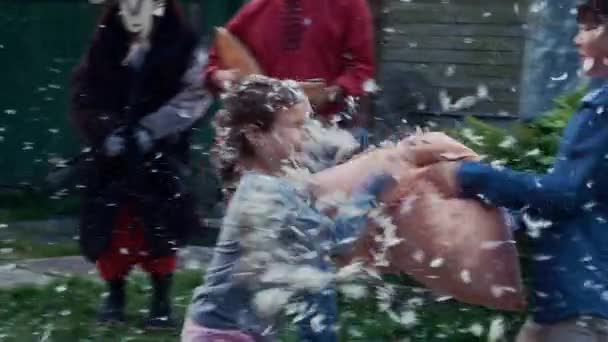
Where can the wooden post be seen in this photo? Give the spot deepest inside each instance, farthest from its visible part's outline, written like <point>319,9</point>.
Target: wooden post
<point>550,59</point>
<point>434,53</point>
<point>377,11</point>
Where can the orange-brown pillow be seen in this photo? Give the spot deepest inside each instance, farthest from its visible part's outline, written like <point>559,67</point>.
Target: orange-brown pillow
<point>454,246</point>
<point>234,55</point>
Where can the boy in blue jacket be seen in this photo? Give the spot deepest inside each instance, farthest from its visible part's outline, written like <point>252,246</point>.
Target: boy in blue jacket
<point>569,289</point>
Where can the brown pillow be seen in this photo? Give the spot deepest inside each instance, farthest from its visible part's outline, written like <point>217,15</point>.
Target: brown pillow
<point>454,246</point>
<point>234,55</point>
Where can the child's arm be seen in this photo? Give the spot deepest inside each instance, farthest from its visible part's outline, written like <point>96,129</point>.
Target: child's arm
<point>337,235</point>
<point>565,191</point>
<point>281,234</point>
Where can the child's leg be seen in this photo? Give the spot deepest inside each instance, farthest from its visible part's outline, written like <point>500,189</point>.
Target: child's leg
<point>113,307</point>
<point>160,270</point>
<point>320,323</point>
<point>113,267</point>
<point>161,274</point>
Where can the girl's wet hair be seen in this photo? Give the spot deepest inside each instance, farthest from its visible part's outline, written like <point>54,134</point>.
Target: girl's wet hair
<point>255,101</point>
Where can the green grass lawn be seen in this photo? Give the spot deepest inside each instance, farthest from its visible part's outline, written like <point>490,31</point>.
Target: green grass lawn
<point>16,249</point>
<point>65,311</point>
<point>25,206</point>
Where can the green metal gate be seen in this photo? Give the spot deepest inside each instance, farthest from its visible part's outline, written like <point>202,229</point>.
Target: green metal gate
<point>40,42</point>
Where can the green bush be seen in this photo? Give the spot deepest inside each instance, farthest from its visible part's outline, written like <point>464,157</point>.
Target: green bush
<point>526,146</point>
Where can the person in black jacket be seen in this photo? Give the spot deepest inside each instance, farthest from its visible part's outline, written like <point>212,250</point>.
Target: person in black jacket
<point>136,95</point>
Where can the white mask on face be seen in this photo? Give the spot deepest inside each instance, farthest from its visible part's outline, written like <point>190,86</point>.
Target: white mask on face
<point>138,15</point>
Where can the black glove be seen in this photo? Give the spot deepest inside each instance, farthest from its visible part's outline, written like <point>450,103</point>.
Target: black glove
<point>143,139</point>
<point>115,143</point>
<point>123,138</point>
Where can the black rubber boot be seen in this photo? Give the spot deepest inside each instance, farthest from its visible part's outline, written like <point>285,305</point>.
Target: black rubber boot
<point>113,307</point>
<point>160,306</point>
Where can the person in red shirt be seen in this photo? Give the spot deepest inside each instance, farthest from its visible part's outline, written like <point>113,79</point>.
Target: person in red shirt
<point>307,40</point>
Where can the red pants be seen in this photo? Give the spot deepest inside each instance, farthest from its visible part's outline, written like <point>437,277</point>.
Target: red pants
<point>129,248</point>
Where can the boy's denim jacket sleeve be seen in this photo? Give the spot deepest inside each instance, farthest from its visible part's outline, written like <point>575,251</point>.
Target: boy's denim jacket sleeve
<point>577,177</point>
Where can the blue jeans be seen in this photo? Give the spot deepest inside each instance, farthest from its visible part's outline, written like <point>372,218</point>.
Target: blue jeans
<point>323,303</point>
<point>362,136</point>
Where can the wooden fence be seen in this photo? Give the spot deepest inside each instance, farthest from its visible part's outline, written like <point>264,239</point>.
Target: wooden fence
<point>453,49</point>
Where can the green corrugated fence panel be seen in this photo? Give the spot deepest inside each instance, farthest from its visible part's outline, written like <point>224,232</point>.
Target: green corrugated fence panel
<point>40,42</point>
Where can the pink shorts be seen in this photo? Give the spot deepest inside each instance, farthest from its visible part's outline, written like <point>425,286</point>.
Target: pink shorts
<point>193,332</point>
